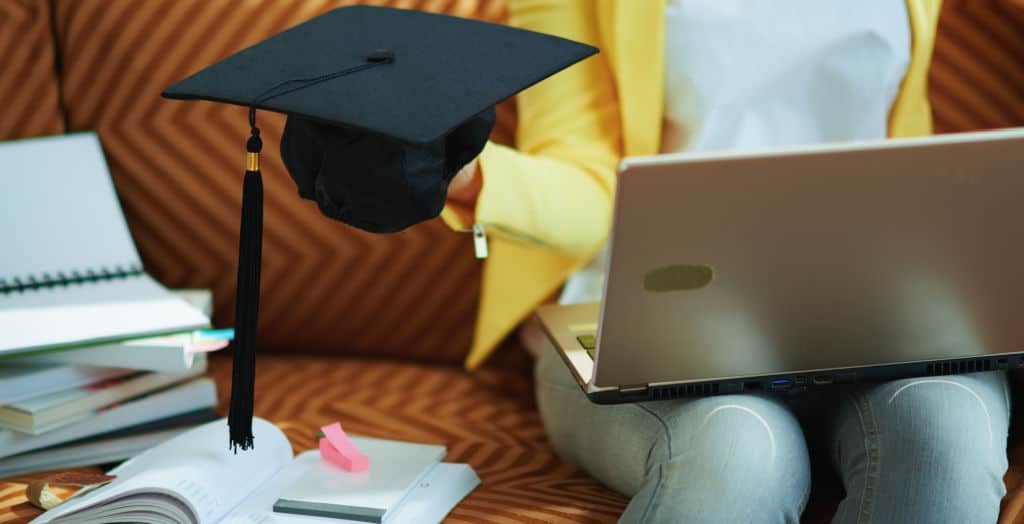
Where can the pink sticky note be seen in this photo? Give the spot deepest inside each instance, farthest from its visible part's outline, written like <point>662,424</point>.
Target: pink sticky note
<point>337,448</point>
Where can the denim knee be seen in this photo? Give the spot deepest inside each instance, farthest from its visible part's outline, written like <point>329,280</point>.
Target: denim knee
<point>943,416</point>
<point>940,448</point>
<point>732,459</point>
<point>749,436</point>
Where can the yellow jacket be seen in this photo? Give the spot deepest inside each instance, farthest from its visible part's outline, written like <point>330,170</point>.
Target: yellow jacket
<point>546,206</point>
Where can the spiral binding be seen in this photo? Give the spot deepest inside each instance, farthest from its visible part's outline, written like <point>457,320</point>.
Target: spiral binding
<point>62,279</point>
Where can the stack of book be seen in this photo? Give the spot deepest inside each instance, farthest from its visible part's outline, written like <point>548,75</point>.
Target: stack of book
<point>98,360</point>
<point>102,403</point>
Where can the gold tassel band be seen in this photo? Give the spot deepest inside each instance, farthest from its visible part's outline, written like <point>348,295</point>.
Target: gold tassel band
<point>252,161</point>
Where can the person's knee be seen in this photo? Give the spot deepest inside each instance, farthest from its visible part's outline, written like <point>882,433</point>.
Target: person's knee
<point>733,459</point>
<point>750,433</point>
<point>942,418</point>
<point>942,441</point>
<point>751,446</point>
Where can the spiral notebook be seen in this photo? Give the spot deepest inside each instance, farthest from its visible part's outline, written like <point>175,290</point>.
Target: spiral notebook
<point>69,271</point>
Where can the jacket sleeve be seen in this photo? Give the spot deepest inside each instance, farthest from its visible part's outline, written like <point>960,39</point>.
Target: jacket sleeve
<point>554,189</point>
<point>911,113</point>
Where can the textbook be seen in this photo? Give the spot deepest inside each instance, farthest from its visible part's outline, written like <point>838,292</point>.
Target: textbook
<point>194,477</point>
<point>167,353</point>
<point>48,412</point>
<point>21,380</point>
<point>184,398</point>
<point>108,448</point>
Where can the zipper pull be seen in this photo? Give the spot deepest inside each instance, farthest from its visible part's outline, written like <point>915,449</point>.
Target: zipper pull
<point>479,241</point>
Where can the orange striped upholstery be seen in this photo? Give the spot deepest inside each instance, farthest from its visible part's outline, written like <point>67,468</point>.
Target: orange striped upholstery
<point>977,75</point>
<point>28,78</point>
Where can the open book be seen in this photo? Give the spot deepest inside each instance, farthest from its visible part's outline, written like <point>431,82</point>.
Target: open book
<point>194,478</point>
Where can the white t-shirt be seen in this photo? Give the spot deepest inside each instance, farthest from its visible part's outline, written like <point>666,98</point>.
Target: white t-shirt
<point>743,74</point>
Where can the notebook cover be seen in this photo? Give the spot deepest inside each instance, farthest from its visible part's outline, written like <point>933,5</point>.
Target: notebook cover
<point>327,490</point>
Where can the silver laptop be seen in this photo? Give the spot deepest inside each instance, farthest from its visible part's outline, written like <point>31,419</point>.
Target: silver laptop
<point>803,267</point>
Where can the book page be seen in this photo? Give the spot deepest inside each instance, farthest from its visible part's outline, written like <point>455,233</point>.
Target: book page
<point>196,467</point>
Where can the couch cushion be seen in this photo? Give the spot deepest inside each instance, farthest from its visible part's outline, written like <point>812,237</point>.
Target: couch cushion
<point>977,75</point>
<point>178,167</point>
<point>28,78</point>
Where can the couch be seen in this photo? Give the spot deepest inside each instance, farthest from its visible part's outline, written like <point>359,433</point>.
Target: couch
<point>365,329</point>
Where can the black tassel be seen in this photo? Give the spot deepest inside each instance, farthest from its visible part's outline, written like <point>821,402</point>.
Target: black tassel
<point>247,302</point>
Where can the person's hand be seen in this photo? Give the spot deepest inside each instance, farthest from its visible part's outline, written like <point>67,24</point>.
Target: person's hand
<point>465,187</point>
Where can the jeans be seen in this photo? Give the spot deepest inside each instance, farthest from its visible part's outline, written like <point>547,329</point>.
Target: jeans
<point>916,450</point>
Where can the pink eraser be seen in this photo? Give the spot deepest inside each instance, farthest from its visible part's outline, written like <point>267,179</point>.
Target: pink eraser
<point>337,448</point>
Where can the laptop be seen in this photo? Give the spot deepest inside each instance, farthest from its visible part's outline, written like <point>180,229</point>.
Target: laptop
<point>804,267</point>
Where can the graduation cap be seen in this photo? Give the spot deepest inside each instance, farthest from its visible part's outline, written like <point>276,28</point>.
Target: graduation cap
<point>384,107</point>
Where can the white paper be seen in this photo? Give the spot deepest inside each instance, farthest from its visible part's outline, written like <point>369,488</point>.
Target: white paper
<point>436,495</point>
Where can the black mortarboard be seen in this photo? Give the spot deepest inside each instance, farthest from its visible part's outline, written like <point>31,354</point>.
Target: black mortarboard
<point>384,107</point>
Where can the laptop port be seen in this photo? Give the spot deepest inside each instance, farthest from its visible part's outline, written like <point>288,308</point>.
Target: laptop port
<point>845,378</point>
<point>823,379</point>
<point>782,384</point>
<point>633,392</point>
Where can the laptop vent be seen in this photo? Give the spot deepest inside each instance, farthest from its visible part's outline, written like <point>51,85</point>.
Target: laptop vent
<point>960,366</point>
<point>685,390</point>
